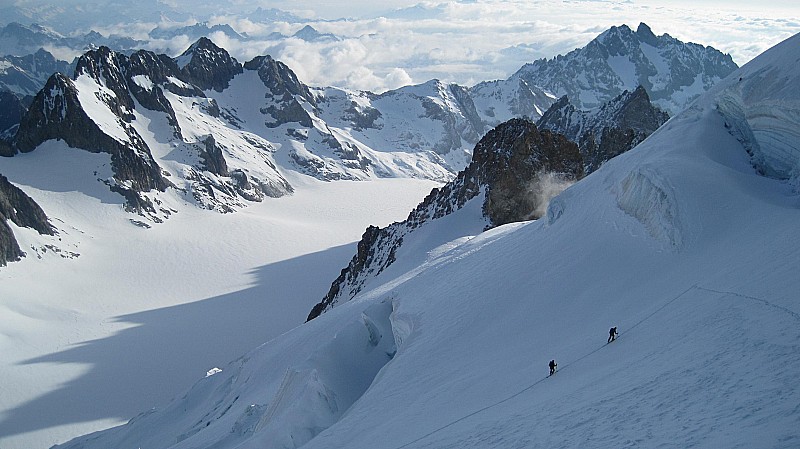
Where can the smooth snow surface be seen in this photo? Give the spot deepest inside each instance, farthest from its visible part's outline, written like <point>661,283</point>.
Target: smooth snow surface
<point>110,318</point>
<point>679,243</point>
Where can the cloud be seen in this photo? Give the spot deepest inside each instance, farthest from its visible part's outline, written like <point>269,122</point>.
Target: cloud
<point>466,41</point>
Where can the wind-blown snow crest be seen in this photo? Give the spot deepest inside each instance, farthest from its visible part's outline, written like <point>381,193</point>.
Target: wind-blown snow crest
<point>761,106</point>
<point>645,197</point>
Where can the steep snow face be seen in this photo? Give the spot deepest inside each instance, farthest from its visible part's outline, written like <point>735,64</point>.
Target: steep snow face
<point>500,101</point>
<point>95,100</point>
<point>707,355</point>
<point>673,72</point>
<point>761,106</point>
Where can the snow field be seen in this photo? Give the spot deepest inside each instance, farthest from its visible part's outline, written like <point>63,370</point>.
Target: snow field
<point>137,315</point>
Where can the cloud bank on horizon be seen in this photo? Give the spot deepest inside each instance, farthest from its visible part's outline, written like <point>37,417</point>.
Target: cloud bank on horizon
<point>388,44</point>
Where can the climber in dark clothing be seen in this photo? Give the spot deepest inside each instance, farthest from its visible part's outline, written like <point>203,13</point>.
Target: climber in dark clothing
<point>553,367</point>
<point>612,334</point>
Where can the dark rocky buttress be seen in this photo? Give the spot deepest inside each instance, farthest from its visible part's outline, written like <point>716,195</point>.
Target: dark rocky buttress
<point>208,66</point>
<point>23,211</point>
<point>56,113</point>
<point>505,164</point>
<point>614,128</point>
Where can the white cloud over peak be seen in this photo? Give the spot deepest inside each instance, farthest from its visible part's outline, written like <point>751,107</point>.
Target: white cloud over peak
<point>383,44</point>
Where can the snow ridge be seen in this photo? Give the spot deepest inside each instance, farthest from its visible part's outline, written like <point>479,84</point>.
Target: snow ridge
<point>761,108</point>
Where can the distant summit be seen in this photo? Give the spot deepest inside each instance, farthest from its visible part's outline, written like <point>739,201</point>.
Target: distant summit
<point>672,72</point>
<point>197,31</point>
<point>310,34</point>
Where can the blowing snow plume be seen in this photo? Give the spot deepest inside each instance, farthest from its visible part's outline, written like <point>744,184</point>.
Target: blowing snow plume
<point>544,187</point>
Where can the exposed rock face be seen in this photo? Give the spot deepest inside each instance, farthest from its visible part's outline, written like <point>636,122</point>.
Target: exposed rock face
<point>506,164</point>
<point>615,127</point>
<point>510,159</point>
<point>56,113</point>
<point>207,66</point>
<point>21,77</point>
<point>673,73</point>
<point>212,157</point>
<point>285,92</point>
<point>18,207</point>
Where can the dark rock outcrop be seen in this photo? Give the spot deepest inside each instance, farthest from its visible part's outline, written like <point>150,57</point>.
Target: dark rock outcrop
<point>510,159</point>
<point>506,164</point>
<point>21,209</point>
<point>285,92</point>
<point>208,66</point>
<point>56,113</point>
<point>614,128</point>
<point>212,157</point>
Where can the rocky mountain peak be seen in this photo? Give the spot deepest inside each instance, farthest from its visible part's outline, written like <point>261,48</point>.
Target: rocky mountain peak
<point>108,68</point>
<point>617,126</point>
<point>57,113</point>
<point>208,66</point>
<point>50,106</point>
<point>279,79</point>
<point>646,35</point>
<point>672,72</point>
<point>510,164</point>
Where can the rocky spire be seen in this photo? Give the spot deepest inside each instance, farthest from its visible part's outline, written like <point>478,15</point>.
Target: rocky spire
<point>208,66</point>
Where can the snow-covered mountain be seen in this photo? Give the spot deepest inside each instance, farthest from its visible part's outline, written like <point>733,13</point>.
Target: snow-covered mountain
<point>516,169</point>
<point>610,130</point>
<point>26,75</point>
<point>501,100</point>
<point>674,73</point>
<point>684,244</point>
<point>238,127</point>
<point>196,31</point>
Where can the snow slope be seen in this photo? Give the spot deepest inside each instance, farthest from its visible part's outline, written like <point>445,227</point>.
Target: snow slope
<point>112,317</point>
<point>680,243</point>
